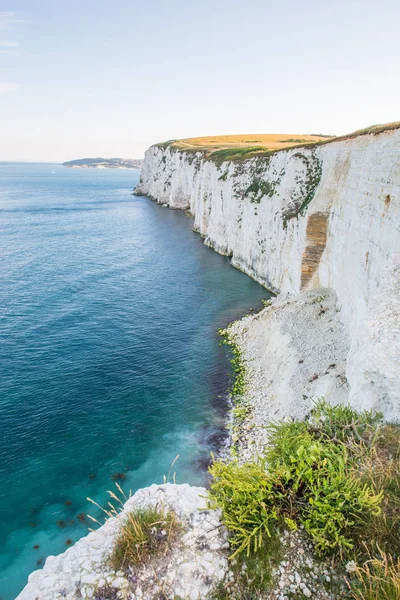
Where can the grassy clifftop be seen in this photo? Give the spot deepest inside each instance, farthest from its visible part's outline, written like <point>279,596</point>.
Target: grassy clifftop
<point>267,141</point>
<point>242,146</point>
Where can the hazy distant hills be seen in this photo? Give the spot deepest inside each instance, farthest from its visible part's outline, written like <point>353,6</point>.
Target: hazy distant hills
<point>105,163</point>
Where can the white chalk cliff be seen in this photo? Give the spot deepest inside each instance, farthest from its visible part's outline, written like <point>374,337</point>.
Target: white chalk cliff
<point>327,216</point>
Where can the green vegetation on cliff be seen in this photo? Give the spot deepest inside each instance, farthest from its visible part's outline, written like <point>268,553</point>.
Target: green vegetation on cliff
<point>335,475</point>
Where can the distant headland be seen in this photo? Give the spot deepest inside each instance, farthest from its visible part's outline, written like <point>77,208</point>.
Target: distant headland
<point>105,163</point>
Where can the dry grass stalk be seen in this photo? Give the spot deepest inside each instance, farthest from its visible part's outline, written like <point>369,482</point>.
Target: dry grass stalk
<point>377,579</point>
<point>144,532</point>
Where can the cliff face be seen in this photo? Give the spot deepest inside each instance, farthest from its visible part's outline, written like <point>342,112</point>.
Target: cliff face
<point>327,216</point>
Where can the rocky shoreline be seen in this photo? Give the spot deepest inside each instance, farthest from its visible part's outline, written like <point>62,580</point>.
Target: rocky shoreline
<point>292,352</point>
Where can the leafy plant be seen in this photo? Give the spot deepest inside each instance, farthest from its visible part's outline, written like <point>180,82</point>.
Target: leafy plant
<point>246,496</point>
<point>306,476</point>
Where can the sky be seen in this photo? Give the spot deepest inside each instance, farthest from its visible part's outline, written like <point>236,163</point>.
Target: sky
<point>94,78</point>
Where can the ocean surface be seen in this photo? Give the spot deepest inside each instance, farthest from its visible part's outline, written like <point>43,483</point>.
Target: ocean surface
<point>110,364</point>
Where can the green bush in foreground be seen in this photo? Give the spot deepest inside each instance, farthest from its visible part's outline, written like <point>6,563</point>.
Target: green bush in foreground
<point>309,475</point>
<point>246,496</point>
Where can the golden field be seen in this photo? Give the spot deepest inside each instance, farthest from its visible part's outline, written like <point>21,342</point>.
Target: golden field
<point>266,141</point>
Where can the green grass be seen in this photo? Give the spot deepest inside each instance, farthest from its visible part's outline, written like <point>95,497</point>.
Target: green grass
<point>236,154</point>
<point>294,141</point>
<point>164,145</point>
<point>144,533</point>
<point>382,472</point>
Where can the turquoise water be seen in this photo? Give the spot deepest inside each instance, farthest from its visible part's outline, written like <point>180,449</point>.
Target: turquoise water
<point>109,356</point>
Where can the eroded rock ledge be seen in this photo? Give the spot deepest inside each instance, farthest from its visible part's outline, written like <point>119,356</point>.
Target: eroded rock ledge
<point>190,570</point>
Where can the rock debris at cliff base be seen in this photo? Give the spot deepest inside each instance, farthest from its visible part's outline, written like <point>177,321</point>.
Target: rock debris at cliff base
<point>294,352</point>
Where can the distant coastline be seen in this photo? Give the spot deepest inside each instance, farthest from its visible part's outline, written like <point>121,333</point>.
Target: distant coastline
<point>105,163</point>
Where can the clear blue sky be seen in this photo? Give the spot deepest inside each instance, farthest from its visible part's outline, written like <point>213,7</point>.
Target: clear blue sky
<point>96,78</point>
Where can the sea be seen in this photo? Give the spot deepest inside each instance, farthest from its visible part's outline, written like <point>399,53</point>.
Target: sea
<point>110,360</point>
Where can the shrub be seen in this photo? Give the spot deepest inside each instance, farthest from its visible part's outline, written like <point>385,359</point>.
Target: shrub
<point>245,495</point>
<point>341,423</point>
<point>308,475</point>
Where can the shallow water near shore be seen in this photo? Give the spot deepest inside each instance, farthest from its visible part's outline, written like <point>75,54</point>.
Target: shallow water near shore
<point>109,356</point>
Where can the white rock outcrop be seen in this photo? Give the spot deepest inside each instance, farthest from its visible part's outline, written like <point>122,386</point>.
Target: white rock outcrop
<point>327,216</point>
<point>190,570</point>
